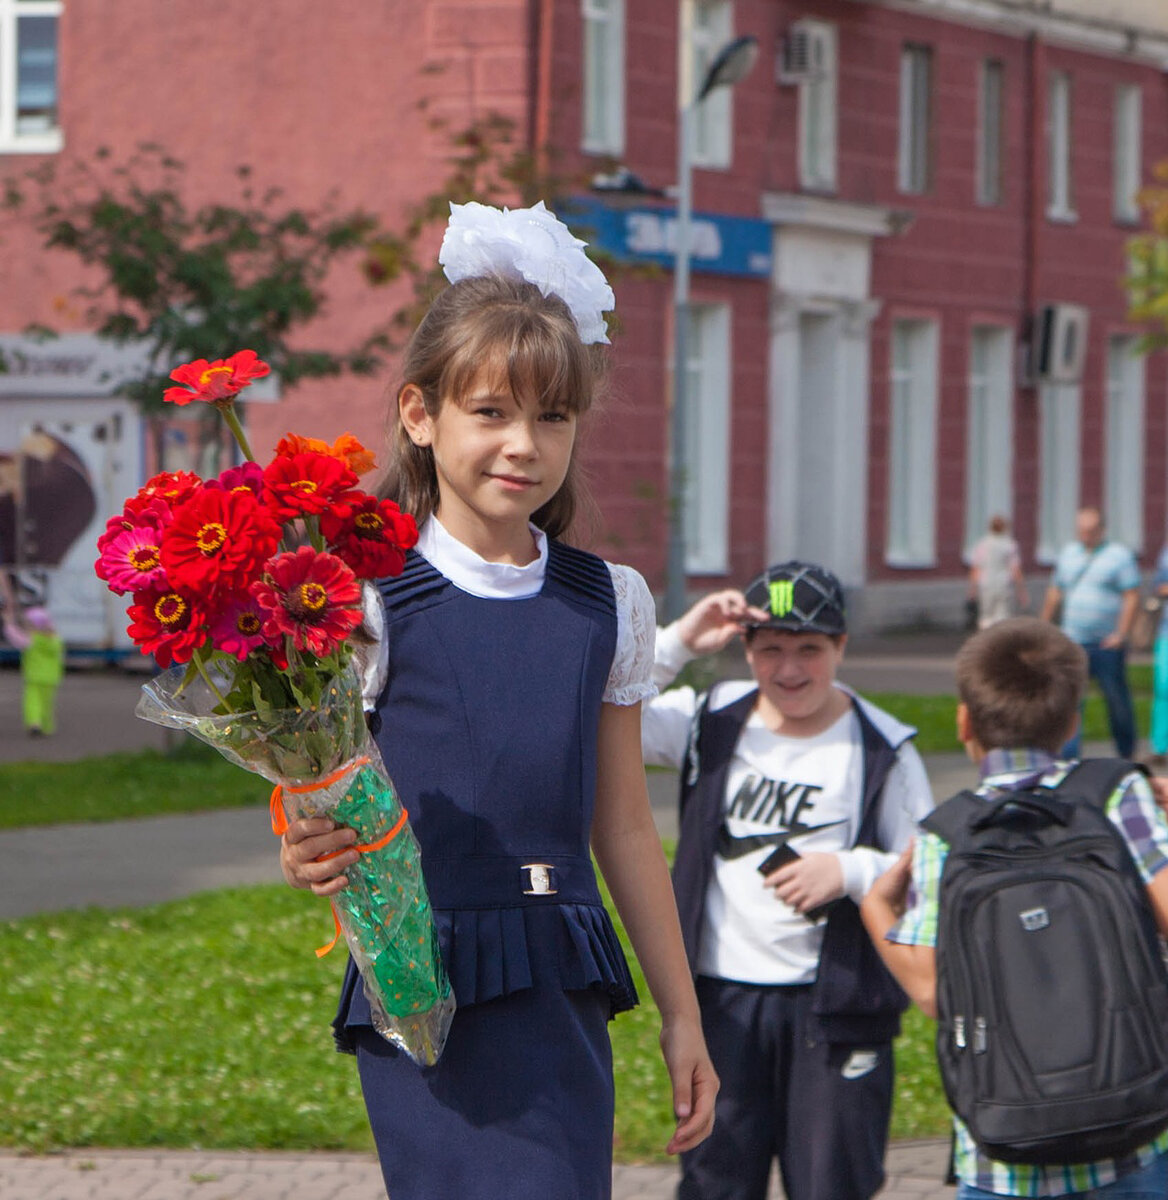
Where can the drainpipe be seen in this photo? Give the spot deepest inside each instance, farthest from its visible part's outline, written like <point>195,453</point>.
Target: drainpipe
<point>1026,473</point>
<point>542,41</point>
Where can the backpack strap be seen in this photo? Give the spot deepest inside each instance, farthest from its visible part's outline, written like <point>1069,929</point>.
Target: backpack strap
<point>1092,781</point>
<point>953,820</point>
<point>1095,779</point>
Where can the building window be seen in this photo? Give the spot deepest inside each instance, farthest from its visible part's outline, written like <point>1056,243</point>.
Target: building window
<point>916,86</point>
<point>1127,165</point>
<point>604,76</point>
<point>989,464</point>
<point>1060,199</point>
<point>28,76</point>
<point>817,108</point>
<point>1124,463</point>
<point>713,27</point>
<point>912,464</point>
<point>707,429</point>
<point>990,107</point>
<point>1059,406</point>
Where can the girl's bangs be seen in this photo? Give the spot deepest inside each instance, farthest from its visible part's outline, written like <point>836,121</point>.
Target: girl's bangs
<point>537,358</point>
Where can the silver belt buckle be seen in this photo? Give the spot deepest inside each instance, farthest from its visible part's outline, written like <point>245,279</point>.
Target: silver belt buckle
<point>538,877</point>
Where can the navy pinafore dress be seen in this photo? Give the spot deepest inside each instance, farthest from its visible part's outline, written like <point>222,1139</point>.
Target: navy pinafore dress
<point>488,726</point>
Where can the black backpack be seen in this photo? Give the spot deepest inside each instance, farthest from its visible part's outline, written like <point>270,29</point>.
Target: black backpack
<point>1052,991</point>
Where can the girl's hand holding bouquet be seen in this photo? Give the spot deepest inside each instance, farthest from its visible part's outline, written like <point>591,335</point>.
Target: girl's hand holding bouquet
<point>251,588</point>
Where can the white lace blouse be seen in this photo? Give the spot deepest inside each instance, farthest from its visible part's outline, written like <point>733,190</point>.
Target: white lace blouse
<point>630,679</point>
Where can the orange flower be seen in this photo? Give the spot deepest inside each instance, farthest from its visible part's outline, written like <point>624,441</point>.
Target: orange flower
<point>216,382</point>
<point>347,448</point>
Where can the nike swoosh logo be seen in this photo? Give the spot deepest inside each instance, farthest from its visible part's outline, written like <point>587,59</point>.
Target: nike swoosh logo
<point>732,847</point>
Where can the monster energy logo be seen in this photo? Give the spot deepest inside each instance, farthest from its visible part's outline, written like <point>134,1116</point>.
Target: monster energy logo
<point>782,596</point>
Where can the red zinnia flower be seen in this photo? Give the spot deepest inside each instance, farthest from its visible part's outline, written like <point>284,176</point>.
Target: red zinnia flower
<point>216,382</point>
<point>167,624</point>
<point>171,487</point>
<point>238,629</point>
<point>312,597</point>
<point>218,542</point>
<point>370,535</point>
<point>300,485</point>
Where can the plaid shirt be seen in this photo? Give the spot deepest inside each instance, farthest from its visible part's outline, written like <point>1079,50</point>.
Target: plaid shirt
<point>1133,810</point>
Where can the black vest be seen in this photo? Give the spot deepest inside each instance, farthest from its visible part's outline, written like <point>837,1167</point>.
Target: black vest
<point>856,1001</point>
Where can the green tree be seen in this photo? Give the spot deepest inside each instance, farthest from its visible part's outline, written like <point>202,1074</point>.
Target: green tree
<point>1147,280</point>
<point>188,282</point>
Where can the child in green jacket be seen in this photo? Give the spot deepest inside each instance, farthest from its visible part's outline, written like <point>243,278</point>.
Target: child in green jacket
<point>42,663</point>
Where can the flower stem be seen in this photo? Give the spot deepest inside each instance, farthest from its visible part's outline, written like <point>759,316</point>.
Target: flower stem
<point>201,667</point>
<point>228,411</point>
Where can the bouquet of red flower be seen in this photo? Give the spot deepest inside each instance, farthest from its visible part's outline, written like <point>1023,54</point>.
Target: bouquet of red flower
<point>249,589</point>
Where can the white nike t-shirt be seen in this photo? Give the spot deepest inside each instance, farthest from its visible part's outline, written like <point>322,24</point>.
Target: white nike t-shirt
<point>799,791</point>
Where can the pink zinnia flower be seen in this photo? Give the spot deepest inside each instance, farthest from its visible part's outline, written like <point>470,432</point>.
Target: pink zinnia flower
<point>238,628</point>
<point>311,597</point>
<point>249,477</point>
<point>132,559</point>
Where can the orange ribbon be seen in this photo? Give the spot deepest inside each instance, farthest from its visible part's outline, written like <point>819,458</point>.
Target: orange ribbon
<point>280,827</point>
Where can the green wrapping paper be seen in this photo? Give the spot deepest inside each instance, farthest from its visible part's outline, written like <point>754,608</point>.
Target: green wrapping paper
<point>325,764</point>
<point>384,913</point>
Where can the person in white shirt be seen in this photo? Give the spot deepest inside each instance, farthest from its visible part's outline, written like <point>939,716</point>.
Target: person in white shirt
<point>796,795</point>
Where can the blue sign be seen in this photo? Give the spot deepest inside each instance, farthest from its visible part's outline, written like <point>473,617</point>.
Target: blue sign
<point>719,244</point>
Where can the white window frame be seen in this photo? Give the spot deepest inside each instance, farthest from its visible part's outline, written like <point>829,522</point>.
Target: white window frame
<point>912,457</point>
<point>1127,150</point>
<point>707,441</point>
<point>12,139</point>
<point>914,167</point>
<point>1123,477</point>
<point>1059,125</point>
<point>989,447</point>
<point>1060,407</point>
<point>819,109</point>
<point>991,109</point>
<point>602,117</point>
<point>713,119</point>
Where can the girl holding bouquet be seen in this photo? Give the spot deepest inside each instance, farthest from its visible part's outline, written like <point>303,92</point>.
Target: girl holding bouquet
<point>508,715</point>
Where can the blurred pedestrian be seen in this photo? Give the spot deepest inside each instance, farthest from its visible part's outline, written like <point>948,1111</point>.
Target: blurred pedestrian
<point>1096,584</point>
<point>1159,730</point>
<point>995,575</point>
<point>42,664</point>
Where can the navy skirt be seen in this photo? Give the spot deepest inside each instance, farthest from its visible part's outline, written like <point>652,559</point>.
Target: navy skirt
<point>519,1104</point>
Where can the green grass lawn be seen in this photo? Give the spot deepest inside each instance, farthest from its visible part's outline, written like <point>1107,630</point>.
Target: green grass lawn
<point>146,783</point>
<point>204,1022</point>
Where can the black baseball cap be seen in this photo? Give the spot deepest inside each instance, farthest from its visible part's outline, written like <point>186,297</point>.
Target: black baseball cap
<point>801,597</point>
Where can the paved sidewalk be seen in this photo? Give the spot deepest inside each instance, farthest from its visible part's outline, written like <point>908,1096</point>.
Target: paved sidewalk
<point>914,1172</point>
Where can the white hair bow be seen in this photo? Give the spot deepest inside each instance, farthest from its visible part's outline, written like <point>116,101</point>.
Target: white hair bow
<point>530,244</point>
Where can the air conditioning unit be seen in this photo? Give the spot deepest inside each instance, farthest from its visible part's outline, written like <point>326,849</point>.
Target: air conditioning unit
<point>1059,345</point>
<point>803,54</point>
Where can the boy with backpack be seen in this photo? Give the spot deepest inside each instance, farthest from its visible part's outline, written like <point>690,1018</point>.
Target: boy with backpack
<point>1026,920</point>
<point>795,796</point>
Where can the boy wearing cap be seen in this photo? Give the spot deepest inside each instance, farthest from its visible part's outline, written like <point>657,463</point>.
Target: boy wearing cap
<point>796,795</point>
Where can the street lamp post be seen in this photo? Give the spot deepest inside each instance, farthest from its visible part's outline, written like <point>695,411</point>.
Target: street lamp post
<point>732,63</point>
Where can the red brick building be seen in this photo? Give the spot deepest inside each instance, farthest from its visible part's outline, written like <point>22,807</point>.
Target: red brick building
<point>886,210</point>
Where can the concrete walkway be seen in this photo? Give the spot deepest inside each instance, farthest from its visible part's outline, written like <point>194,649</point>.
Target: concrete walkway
<point>155,859</point>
